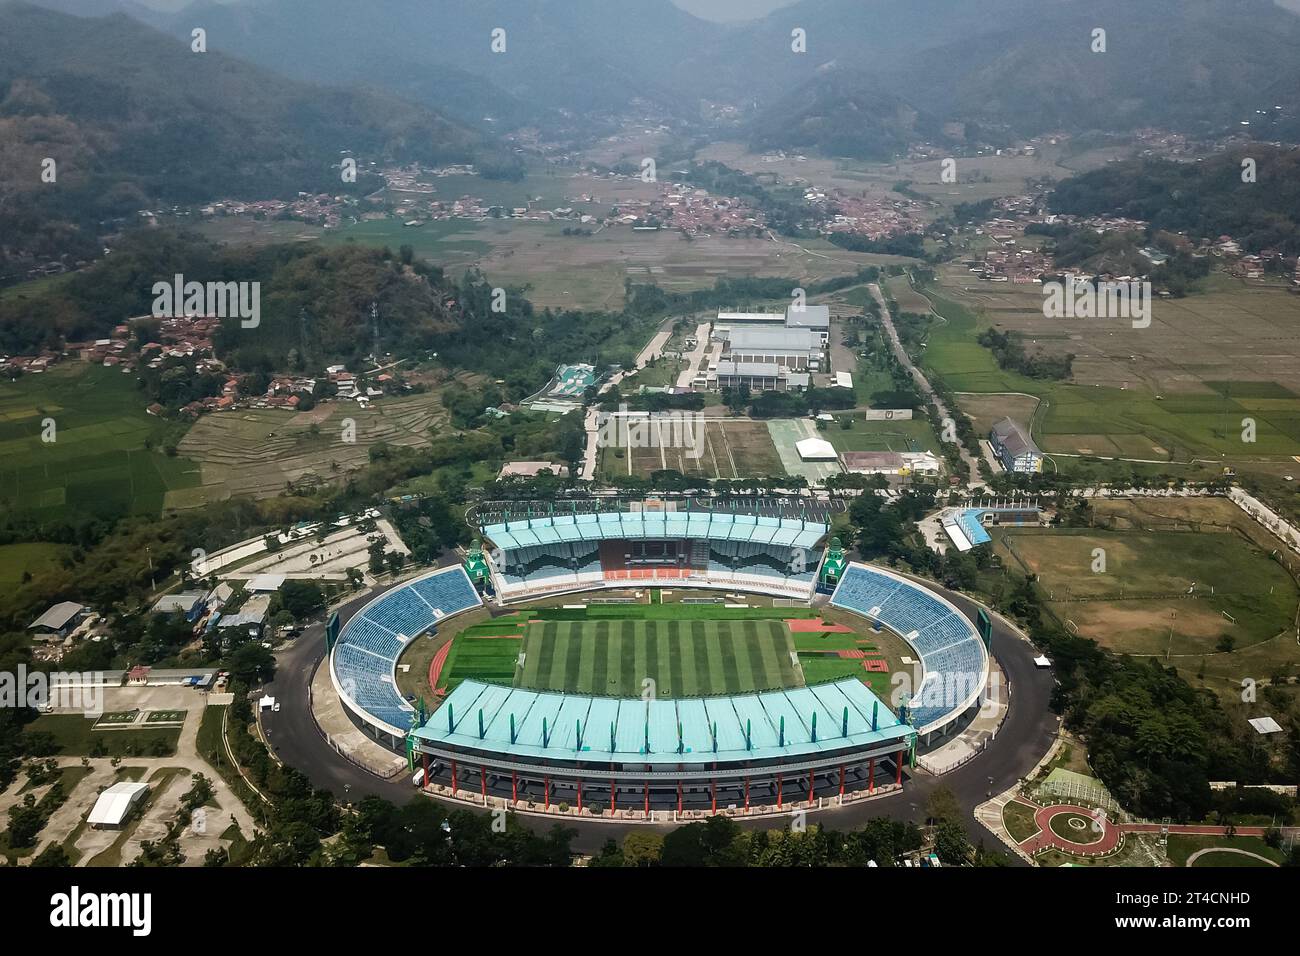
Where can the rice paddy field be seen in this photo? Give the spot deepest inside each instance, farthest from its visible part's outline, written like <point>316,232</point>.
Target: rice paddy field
<point>98,462</point>
<point>669,649</point>
<point>578,272</point>
<point>1184,388</point>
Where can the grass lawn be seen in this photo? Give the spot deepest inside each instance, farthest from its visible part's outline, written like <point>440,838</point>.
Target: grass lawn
<point>1182,846</point>
<point>1075,827</point>
<point>1019,821</point>
<point>913,435</point>
<point>482,658</point>
<point>17,559</point>
<point>75,735</point>
<point>1141,596</point>
<point>688,650</point>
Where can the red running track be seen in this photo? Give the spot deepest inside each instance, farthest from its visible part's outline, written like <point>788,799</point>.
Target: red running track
<point>436,665</point>
<point>1045,837</point>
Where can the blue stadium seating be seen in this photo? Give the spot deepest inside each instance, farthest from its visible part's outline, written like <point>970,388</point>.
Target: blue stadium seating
<point>402,611</point>
<point>368,635</point>
<point>449,592</point>
<point>368,646</point>
<point>912,609</point>
<point>949,647</point>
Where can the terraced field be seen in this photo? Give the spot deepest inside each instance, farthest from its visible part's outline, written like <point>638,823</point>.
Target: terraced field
<point>258,452</point>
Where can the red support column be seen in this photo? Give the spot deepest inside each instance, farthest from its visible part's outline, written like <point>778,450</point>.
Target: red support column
<point>898,769</point>
<point>514,786</point>
<point>871,776</point>
<point>426,772</point>
<point>679,796</point>
<point>482,778</point>
<point>453,776</point>
<point>613,789</point>
<point>579,796</point>
<point>746,793</point>
<point>647,798</point>
<point>548,792</point>
<point>812,787</point>
<point>778,791</point>
<point>841,781</point>
<point>713,789</point>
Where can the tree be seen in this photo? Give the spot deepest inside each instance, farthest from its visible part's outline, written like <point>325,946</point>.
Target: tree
<point>376,551</point>
<point>950,843</point>
<point>251,664</point>
<point>301,598</point>
<point>53,856</point>
<point>943,806</point>
<point>642,849</point>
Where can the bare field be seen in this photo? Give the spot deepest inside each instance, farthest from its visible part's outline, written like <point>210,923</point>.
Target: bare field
<point>731,449</point>
<point>986,410</point>
<point>1208,380</point>
<point>257,452</point>
<point>1179,577</point>
<point>588,272</point>
<point>1237,333</point>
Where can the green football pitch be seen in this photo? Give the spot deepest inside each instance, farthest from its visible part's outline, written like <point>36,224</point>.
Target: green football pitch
<point>687,650</point>
<point>684,658</point>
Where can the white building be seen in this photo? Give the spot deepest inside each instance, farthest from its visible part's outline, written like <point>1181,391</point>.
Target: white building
<point>115,805</point>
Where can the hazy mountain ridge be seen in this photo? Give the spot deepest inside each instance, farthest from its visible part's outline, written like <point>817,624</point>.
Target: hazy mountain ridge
<point>132,116</point>
<point>1200,66</point>
<point>1019,66</point>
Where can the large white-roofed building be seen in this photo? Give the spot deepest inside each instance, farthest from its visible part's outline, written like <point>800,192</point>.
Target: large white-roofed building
<point>816,449</point>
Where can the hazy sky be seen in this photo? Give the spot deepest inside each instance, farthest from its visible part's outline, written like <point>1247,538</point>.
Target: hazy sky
<point>723,10</point>
<point>728,10</point>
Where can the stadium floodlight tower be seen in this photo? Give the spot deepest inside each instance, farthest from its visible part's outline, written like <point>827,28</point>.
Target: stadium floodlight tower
<point>832,566</point>
<point>476,566</point>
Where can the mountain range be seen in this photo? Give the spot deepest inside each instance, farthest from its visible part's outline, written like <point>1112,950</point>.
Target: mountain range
<point>901,68</point>
<point>132,116</point>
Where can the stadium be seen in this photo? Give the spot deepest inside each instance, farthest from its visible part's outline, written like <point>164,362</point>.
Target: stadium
<point>643,656</point>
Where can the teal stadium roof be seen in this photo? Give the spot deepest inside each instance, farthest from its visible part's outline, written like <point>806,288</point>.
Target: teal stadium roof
<point>617,730</point>
<point>718,526</point>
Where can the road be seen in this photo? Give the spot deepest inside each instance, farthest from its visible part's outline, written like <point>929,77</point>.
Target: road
<point>293,733</point>
<point>1022,741</point>
<point>972,466</point>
